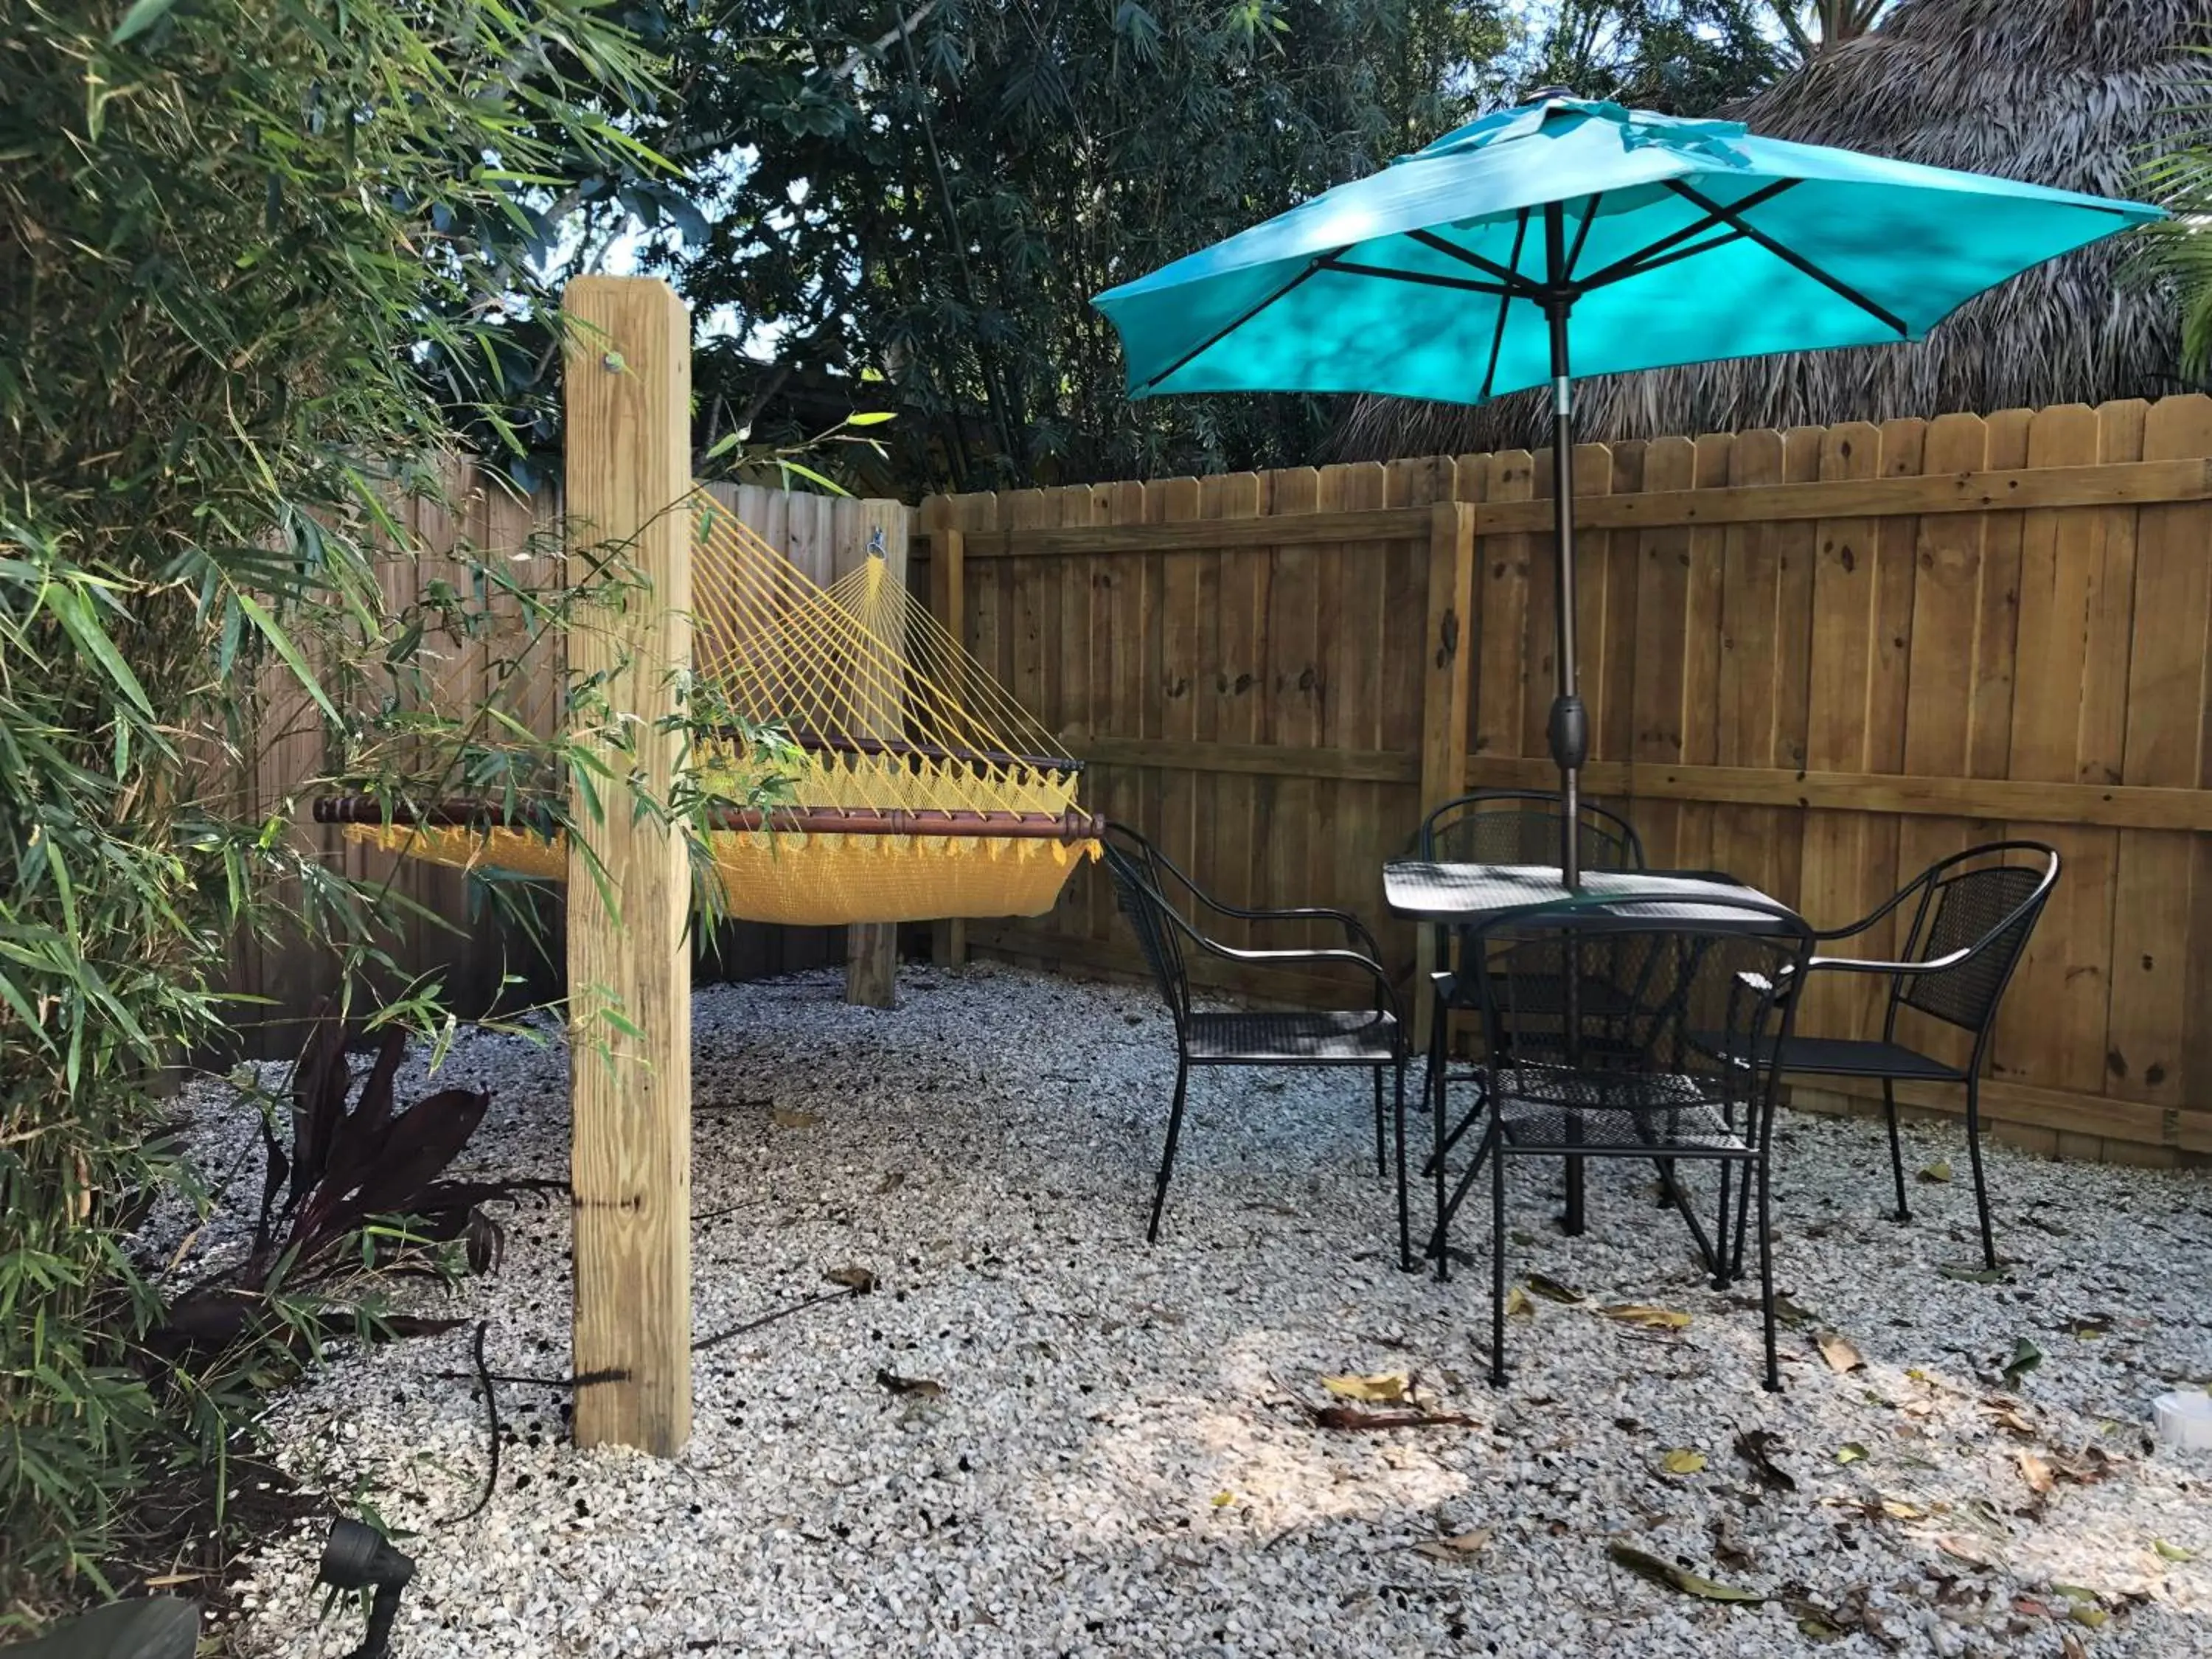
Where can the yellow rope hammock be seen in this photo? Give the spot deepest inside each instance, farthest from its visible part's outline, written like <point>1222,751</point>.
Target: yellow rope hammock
<point>920,789</point>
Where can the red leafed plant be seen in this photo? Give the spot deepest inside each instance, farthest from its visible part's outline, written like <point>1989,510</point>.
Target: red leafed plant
<point>364,1181</point>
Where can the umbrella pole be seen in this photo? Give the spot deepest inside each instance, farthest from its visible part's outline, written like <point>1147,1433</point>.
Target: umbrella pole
<point>1569,727</point>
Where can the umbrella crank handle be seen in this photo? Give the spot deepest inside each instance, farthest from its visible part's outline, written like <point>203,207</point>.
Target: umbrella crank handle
<point>1569,731</point>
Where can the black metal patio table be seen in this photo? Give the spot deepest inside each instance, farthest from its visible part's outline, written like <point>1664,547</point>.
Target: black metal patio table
<point>1482,895</point>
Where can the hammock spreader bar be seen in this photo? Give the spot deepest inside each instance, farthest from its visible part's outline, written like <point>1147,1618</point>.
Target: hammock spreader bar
<point>460,813</point>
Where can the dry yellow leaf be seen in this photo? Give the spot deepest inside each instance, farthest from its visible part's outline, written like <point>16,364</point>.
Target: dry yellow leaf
<point>1382,1388</point>
<point>1683,1460</point>
<point>1517,1304</point>
<point>1971,1551</point>
<point>1651,1318</point>
<point>1839,1354</point>
<point>1222,1500</point>
<point>1456,1549</point>
<point>1898,1508</point>
<point>2037,1472</point>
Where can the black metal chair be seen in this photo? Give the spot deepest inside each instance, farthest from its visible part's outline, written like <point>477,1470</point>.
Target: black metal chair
<point>1497,826</point>
<point>1373,1037</point>
<point>1679,1070</point>
<point>1973,915</point>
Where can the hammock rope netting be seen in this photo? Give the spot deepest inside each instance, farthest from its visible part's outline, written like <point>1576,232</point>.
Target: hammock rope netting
<point>913,787</point>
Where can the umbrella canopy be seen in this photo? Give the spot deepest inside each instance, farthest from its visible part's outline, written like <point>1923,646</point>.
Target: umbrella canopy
<point>1568,236</point>
<point>1683,241</point>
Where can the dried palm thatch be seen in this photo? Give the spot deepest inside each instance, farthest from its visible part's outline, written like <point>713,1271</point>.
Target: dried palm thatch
<point>2071,93</point>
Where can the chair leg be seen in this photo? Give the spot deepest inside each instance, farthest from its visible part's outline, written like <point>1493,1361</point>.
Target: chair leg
<point>1724,1266</point>
<point>1896,1151</point>
<point>1766,1274</point>
<point>1382,1158</point>
<point>1167,1158</point>
<point>1494,1146</point>
<point>1405,1221</point>
<point>1436,1113</point>
<point>1974,1155</point>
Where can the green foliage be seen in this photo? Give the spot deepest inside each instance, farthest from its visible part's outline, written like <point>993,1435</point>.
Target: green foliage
<point>2178,251</point>
<point>1679,57</point>
<point>234,235</point>
<point>914,207</point>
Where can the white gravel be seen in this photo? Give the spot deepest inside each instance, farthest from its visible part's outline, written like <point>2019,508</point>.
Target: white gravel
<point>1117,1464</point>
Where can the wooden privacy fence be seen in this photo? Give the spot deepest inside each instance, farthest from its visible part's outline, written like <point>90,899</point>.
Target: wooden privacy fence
<point>290,978</point>
<point>1817,658</point>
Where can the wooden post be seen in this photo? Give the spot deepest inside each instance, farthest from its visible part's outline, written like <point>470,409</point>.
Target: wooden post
<point>872,947</point>
<point>1445,678</point>
<point>628,386</point>
<point>948,603</point>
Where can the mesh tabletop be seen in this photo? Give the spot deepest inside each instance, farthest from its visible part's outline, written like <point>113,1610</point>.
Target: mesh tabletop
<point>1469,895</point>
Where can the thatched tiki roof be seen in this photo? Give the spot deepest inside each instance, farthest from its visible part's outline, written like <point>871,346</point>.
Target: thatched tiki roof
<point>2070,92</point>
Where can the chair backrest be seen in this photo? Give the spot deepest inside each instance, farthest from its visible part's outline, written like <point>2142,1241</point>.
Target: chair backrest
<point>1131,861</point>
<point>1984,901</point>
<point>1521,826</point>
<point>1639,1007</point>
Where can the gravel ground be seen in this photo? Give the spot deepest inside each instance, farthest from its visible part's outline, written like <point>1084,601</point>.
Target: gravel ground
<point>1121,1459</point>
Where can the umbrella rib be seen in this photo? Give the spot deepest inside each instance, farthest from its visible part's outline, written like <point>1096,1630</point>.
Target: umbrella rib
<point>1647,265</point>
<point>1633,265</point>
<point>1791,257</point>
<point>1581,235</point>
<point>1514,281</point>
<point>1426,278</point>
<point>1319,262</point>
<point>1505,305</point>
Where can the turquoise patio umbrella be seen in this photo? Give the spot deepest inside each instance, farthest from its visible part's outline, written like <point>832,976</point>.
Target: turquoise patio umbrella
<point>1568,237</point>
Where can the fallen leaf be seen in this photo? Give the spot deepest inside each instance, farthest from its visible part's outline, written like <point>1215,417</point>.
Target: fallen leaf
<point>788,1117</point>
<point>2071,1645</point>
<point>2035,1471</point>
<point>1967,1273</point>
<point>2172,1551</point>
<point>914,1385</point>
<point>1961,1547</point>
<point>1385,1388</point>
<point>2086,1467</point>
<point>1818,1630</point>
<point>1551,1290</point>
<point>1651,1318</point>
<point>2025,1357</point>
<point>1841,1355</point>
<point>1787,1313</point>
<point>1898,1510</point>
<point>1757,1447</point>
<point>1352,1417</point>
<point>855,1278</point>
<point>1851,1452</point>
<point>2089,1329</point>
<point>1222,1500</point>
<point>1674,1577</point>
<point>1936,1173</point>
<point>1456,1549</point>
<point>1517,1304</point>
<point>1728,1547</point>
<point>1683,1460</point>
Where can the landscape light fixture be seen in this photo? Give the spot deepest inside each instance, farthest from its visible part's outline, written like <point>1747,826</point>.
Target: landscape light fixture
<point>358,1558</point>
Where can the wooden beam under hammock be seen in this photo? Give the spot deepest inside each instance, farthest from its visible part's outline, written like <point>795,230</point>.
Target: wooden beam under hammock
<point>461,812</point>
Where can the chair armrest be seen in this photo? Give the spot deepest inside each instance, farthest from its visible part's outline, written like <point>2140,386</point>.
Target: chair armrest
<point>1851,929</point>
<point>1354,927</point>
<point>1386,993</point>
